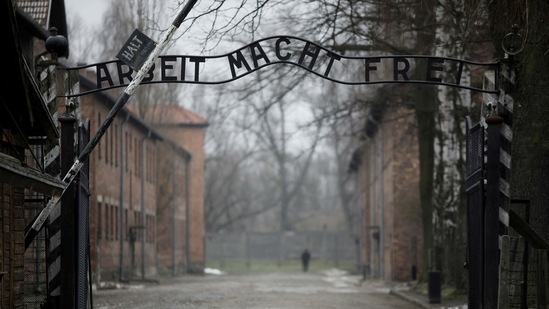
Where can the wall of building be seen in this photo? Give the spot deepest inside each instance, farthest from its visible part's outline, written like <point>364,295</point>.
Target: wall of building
<point>121,166</point>
<point>130,156</point>
<point>405,222</point>
<point>388,177</point>
<point>192,138</point>
<point>12,243</point>
<point>172,208</point>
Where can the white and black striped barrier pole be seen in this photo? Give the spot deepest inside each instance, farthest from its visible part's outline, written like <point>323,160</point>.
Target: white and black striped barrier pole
<point>124,97</point>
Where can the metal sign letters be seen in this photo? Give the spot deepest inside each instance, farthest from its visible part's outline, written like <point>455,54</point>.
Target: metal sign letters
<point>295,51</point>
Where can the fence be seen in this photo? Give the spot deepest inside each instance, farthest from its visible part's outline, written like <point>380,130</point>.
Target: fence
<point>338,249</point>
<point>42,282</point>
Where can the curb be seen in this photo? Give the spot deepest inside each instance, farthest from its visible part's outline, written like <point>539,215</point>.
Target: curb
<point>423,304</point>
<point>409,299</point>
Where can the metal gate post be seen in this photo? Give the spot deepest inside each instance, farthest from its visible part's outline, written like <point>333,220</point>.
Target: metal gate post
<point>491,215</point>
<point>81,206</point>
<point>68,216</point>
<point>475,213</point>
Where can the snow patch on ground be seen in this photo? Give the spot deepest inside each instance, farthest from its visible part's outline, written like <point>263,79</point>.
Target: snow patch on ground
<point>340,278</point>
<point>213,271</point>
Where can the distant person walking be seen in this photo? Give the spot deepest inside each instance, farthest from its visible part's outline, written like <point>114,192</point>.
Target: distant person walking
<point>305,258</point>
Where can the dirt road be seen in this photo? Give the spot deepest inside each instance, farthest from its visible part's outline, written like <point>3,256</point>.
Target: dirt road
<point>273,290</point>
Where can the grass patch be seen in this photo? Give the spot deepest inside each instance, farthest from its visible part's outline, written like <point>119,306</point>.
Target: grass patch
<point>446,291</point>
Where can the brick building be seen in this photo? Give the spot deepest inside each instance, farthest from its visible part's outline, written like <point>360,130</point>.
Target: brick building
<point>187,130</point>
<point>137,227</point>
<point>144,184</point>
<point>28,132</point>
<point>132,233</point>
<point>387,171</point>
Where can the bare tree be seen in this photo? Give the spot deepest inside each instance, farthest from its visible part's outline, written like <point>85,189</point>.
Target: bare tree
<point>79,40</point>
<point>147,16</point>
<point>343,122</point>
<point>350,27</point>
<point>273,134</point>
<point>397,27</point>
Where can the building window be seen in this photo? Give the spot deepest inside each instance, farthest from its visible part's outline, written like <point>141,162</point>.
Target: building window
<point>153,163</point>
<point>107,221</point>
<point>150,163</point>
<point>116,225</point>
<point>137,156</point>
<point>99,144</point>
<point>126,224</point>
<point>107,138</point>
<point>148,167</point>
<point>116,136</point>
<point>126,153</point>
<point>150,228</point>
<point>153,229</point>
<point>111,223</point>
<point>111,146</point>
<point>136,222</point>
<point>99,221</point>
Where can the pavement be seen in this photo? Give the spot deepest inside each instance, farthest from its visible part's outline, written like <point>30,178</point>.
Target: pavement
<point>411,293</point>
